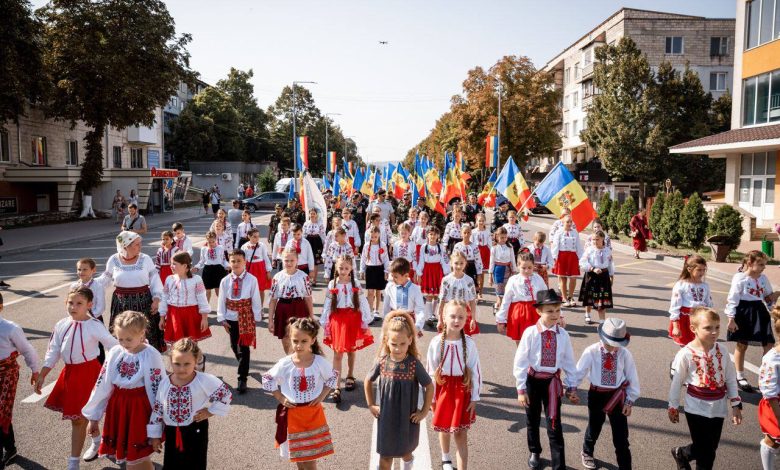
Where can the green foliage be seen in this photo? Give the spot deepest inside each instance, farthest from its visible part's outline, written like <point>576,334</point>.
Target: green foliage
<point>670,220</point>
<point>613,218</point>
<point>605,203</point>
<point>693,222</point>
<point>266,180</point>
<point>627,211</point>
<point>727,222</point>
<point>656,212</point>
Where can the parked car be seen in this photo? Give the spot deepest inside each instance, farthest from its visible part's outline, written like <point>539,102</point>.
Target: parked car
<point>267,200</point>
<point>540,208</point>
<point>283,185</point>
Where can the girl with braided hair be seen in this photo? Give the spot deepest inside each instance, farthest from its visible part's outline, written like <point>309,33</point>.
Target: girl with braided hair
<point>453,361</point>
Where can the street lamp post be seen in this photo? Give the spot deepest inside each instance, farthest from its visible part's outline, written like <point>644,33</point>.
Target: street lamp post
<point>295,137</point>
<point>500,90</point>
<point>326,139</point>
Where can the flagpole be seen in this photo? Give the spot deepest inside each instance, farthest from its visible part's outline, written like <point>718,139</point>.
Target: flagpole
<point>540,183</point>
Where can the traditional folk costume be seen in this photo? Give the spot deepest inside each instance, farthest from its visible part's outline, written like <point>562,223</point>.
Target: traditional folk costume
<point>503,264</point>
<point>710,380</point>
<point>407,297</point>
<point>345,324</point>
<point>420,238</point>
<point>302,432</point>
<point>239,305</point>
<point>408,251</point>
<point>385,235</point>
<point>280,241</point>
<point>305,254</point>
<point>452,398</point>
<point>452,235</point>
<point>184,244</point>
<point>453,288</point>
<point>314,233</point>
<point>124,392</point>
<point>375,264</point>
<point>596,289</point>
<point>770,390</point>
<point>566,251</point>
<point>514,236</point>
<point>213,265</point>
<point>482,239</point>
<point>242,234</point>
<point>183,305</point>
<point>541,356</point>
<point>98,287</point>
<point>12,343</point>
<point>290,291</point>
<point>746,304</point>
<point>258,263</point>
<point>226,242</point>
<point>76,343</point>
<point>173,416</point>
<point>432,267</point>
<point>398,393</point>
<point>474,266</point>
<point>353,234</point>
<point>334,251</point>
<point>517,309</point>
<point>556,226</point>
<point>607,240</point>
<point>686,296</point>
<point>162,261</point>
<point>543,260</point>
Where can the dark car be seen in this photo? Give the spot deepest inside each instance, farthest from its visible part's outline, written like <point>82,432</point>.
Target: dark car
<point>266,200</point>
<point>540,208</point>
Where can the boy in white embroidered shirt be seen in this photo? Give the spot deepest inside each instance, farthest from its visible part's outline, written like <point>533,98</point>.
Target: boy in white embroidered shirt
<point>280,241</point>
<point>183,242</point>
<point>403,294</point>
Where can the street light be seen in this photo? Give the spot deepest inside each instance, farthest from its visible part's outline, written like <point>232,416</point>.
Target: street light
<point>295,137</point>
<point>326,138</point>
<point>500,90</point>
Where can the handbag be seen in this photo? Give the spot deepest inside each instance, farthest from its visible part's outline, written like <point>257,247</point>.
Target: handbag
<point>633,233</point>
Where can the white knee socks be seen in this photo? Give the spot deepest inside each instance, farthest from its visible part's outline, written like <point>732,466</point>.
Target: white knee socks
<point>408,465</point>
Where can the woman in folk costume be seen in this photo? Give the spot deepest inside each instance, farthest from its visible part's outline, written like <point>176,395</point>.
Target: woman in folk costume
<point>640,232</point>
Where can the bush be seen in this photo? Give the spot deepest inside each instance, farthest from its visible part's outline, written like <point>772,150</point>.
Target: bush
<point>612,217</point>
<point>694,222</point>
<point>627,211</point>
<point>670,220</point>
<point>727,222</point>
<point>605,203</point>
<point>656,212</point>
<point>266,180</point>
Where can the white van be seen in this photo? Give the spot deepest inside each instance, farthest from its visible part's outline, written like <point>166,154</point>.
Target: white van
<point>283,185</point>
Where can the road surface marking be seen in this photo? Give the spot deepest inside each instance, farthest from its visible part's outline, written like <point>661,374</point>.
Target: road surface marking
<point>82,248</point>
<point>752,368</point>
<point>45,391</point>
<point>40,261</point>
<point>632,263</point>
<point>37,294</point>
<point>421,455</point>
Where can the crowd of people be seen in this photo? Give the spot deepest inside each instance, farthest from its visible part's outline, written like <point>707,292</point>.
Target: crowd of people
<point>414,270</point>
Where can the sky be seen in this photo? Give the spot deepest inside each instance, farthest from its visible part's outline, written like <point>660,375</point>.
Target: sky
<point>389,96</point>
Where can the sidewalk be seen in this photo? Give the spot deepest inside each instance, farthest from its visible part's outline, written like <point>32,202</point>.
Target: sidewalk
<point>21,240</point>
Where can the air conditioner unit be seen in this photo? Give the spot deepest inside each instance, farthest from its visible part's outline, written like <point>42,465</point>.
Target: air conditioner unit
<point>227,176</point>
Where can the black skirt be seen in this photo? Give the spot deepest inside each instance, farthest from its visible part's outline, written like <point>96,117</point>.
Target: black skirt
<point>139,302</point>
<point>515,242</point>
<point>471,271</point>
<point>195,444</point>
<point>212,275</point>
<point>241,242</point>
<point>754,324</point>
<point>316,247</point>
<point>451,244</point>
<point>375,277</point>
<point>596,290</point>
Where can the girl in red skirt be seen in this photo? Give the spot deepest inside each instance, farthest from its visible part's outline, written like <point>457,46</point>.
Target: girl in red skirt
<point>458,286</point>
<point>162,259</point>
<point>290,298</point>
<point>517,311</point>
<point>125,392</point>
<point>453,362</point>
<point>420,235</point>
<point>482,237</point>
<point>566,252</point>
<point>212,265</point>
<point>430,269</point>
<point>542,256</point>
<point>689,292</point>
<point>75,339</point>
<point>405,247</point>
<point>258,263</point>
<point>345,318</point>
<point>769,407</point>
<point>184,310</point>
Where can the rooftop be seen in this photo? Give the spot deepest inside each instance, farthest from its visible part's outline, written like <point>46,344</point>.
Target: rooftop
<point>746,139</point>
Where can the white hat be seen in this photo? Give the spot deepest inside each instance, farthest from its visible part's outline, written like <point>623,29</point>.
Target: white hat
<point>124,239</point>
<point>614,332</point>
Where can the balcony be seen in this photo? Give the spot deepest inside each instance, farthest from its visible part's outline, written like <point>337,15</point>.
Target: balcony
<point>142,135</point>
<point>587,100</point>
<point>587,71</point>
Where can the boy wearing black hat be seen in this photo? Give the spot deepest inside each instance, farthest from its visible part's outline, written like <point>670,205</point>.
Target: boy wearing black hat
<point>614,387</point>
<point>544,351</point>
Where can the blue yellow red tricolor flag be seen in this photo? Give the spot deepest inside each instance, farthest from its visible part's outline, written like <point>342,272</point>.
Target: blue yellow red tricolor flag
<point>487,198</point>
<point>559,189</point>
<point>302,152</point>
<point>332,162</point>
<point>491,151</point>
<point>512,185</point>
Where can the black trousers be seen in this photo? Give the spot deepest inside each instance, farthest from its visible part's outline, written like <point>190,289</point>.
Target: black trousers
<point>705,434</point>
<point>7,439</point>
<point>195,438</point>
<point>241,352</point>
<point>538,396</point>
<point>617,421</point>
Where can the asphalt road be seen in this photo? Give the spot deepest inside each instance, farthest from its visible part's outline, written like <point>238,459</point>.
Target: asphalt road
<point>244,439</point>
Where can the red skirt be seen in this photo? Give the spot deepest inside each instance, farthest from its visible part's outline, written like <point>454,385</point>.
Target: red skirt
<point>354,247</point>
<point>484,253</point>
<point>567,264</point>
<point>686,335</point>
<point>431,278</point>
<point>183,322</point>
<point>73,387</point>
<point>767,420</point>
<point>521,315</point>
<point>450,403</point>
<point>165,271</point>
<point>417,253</point>
<point>345,331</point>
<point>640,244</point>
<point>258,270</point>
<point>286,309</point>
<point>124,430</point>
<point>467,329</point>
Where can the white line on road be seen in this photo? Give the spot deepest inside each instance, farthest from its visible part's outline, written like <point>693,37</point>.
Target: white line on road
<point>421,455</point>
<point>752,368</point>
<point>45,391</point>
<point>37,294</point>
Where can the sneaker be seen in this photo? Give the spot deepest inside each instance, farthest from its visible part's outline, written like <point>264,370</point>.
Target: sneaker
<point>588,461</point>
<point>588,320</point>
<point>447,465</point>
<point>680,459</point>
<point>9,456</point>
<point>92,452</point>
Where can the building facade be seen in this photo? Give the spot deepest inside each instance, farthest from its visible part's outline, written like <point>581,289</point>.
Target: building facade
<point>705,44</point>
<point>752,147</point>
<point>175,105</point>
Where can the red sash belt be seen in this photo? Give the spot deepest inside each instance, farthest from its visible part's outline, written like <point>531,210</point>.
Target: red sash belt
<point>246,321</point>
<point>707,393</point>
<point>554,390</point>
<point>131,290</point>
<point>618,395</point>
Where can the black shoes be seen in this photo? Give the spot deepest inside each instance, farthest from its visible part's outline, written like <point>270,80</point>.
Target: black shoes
<point>241,386</point>
<point>679,457</point>
<point>9,456</point>
<point>533,461</point>
<point>4,284</point>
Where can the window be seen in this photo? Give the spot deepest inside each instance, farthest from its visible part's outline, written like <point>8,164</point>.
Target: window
<point>71,152</point>
<point>718,81</point>
<point>674,45</point>
<point>574,130</point>
<point>566,129</point>
<point>577,70</point>
<point>767,18</point>
<point>584,123</point>
<point>174,102</point>
<point>749,102</point>
<point>117,156</point>
<point>137,158</point>
<point>566,76</point>
<point>769,197</point>
<point>5,148</point>
<point>38,147</point>
<point>586,58</point>
<point>566,102</point>
<point>761,96</point>
<point>744,190</point>
<point>719,46</point>
<point>575,99</point>
<point>762,22</point>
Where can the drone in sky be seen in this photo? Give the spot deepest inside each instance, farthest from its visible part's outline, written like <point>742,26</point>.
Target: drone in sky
<point>384,43</point>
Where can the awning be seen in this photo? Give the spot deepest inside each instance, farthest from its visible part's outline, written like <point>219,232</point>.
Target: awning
<point>749,139</point>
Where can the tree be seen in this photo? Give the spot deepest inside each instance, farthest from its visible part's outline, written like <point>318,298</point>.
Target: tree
<point>656,213</point>
<point>693,222</point>
<point>112,63</point>
<point>605,203</point>
<point>253,121</point>
<point>627,211</point>
<point>20,59</point>
<point>307,115</point>
<point>266,180</point>
<point>727,222</point>
<point>670,220</point>
<point>613,221</point>
<point>720,114</point>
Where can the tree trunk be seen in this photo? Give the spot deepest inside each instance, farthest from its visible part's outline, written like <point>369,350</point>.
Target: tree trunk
<point>92,168</point>
<point>642,192</point>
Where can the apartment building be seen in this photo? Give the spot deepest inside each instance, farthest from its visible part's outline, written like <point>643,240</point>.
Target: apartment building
<point>175,105</point>
<point>705,44</point>
<point>752,147</point>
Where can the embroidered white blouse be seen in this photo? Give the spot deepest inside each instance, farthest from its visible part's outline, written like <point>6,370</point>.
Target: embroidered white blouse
<point>406,250</point>
<point>519,289</point>
<point>374,255</point>
<point>249,289</point>
<point>139,274</point>
<point>125,370</point>
<point>700,369</point>
<point>607,240</point>
<point>256,254</point>
<point>481,237</point>
<point>343,299</point>
<point>333,252</point>
<point>385,234</point>
<point>689,295</point>
<point>453,362</point>
<point>452,230</point>
<point>242,232</point>
<point>514,231</point>
<point>545,350</point>
<point>432,254</point>
<point>314,229</point>
<point>164,256</point>
<point>177,406</point>
<point>420,235</point>
<point>744,287</point>
<point>350,226</point>
<point>98,287</point>
<point>12,340</point>
<point>280,241</point>
<point>595,258</point>
<point>183,244</point>
<point>471,252</point>
<point>768,381</point>
<point>609,370</point>
<point>566,241</point>
<point>285,286</point>
<point>503,254</point>
<point>406,297</point>
<point>225,241</point>
<point>287,378</point>
<point>453,288</point>
<point>542,255</point>
<point>305,255</point>
<point>76,342</point>
<point>184,293</point>
<point>209,256</point>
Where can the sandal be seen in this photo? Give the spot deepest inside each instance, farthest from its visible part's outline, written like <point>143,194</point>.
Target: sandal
<point>349,384</point>
<point>588,319</point>
<point>335,395</point>
<point>745,386</point>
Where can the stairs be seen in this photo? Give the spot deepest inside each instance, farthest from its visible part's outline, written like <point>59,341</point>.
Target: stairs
<point>758,233</point>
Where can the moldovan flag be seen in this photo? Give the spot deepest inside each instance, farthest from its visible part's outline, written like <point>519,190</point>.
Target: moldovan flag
<point>332,162</point>
<point>486,198</point>
<point>559,189</point>
<point>491,151</point>
<point>312,197</point>
<point>512,185</point>
<point>303,152</point>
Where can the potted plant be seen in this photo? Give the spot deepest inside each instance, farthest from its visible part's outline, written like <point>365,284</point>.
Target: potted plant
<point>725,232</point>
